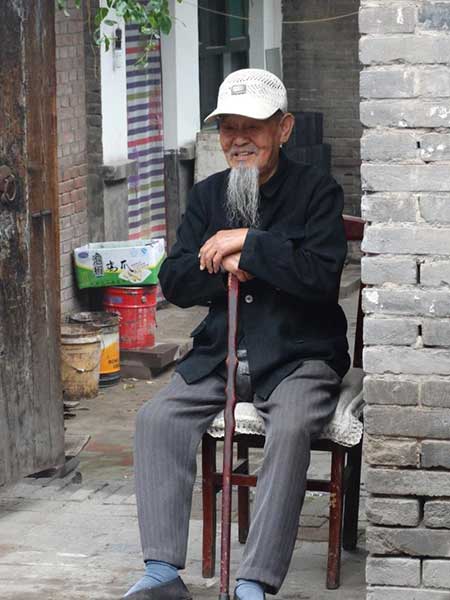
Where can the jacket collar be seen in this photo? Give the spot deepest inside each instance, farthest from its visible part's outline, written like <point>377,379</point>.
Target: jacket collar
<point>271,186</point>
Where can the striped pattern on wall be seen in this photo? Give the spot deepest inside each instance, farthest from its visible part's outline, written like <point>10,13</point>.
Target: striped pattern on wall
<point>146,202</point>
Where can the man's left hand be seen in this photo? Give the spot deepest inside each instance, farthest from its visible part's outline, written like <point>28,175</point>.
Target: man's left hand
<point>231,264</point>
<point>223,243</point>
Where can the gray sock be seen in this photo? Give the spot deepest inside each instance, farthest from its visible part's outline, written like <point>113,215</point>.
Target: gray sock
<point>157,572</point>
<point>249,590</point>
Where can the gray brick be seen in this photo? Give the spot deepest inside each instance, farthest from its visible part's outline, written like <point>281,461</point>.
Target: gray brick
<point>394,239</point>
<point>393,571</point>
<point>428,303</point>
<point>388,83</point>
<point>435,454</point>
<point>398,593</point>
<point>405,178</point>
<point>434,16</point>
<point>436,573</point>
<point>393,511</point>
<point>432,82</point>
<point>389,452</point>
<point>436,514</point>
<point>388,145</point>
<point>414,542</point>
<point>436,332</point>
<point>435,393</point>
<point>408,482</point>
<point>380,270</point>
<point>404,360</point>
<point>396,332</point>
<point>387,206</point>
<point>406,421</point>
<point>390,391</point>
<point>434,146</point>
<point>411,49</point>
<point>405,113</point>
<point>435,272</point>
<point>396,18</point>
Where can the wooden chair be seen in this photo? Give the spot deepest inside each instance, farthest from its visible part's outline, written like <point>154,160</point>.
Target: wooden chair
<point>345,474</point>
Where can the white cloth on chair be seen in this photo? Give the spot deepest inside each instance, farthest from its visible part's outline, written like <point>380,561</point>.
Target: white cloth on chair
<point>345,427</point>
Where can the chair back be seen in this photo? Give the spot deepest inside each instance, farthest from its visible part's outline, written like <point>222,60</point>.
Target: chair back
<point>354,231</point>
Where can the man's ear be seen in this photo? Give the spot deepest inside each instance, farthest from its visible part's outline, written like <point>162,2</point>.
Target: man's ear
<point>287,123</point>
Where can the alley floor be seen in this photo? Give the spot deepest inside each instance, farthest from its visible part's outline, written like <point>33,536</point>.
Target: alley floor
<point>77,537</point>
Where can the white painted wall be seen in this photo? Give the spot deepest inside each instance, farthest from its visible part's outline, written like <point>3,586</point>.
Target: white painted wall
<point>180,77</point>
<point>272,24</point>
<point>265,27</point>
<point>256,33</point>
<point>114,99</point>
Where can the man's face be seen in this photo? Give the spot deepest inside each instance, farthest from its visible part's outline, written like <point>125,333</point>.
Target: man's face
<point>254,142</point>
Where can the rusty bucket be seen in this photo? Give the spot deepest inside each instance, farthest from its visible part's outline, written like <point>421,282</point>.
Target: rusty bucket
<point>80,360</point>
<point>107,326</point>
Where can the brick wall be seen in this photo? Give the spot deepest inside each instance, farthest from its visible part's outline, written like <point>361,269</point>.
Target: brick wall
<point>321,73</point>
<point>72,162</point>
<point>405,89</point>
<point>94,146</point>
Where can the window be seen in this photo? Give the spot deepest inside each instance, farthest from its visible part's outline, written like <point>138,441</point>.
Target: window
<point>223,46</point>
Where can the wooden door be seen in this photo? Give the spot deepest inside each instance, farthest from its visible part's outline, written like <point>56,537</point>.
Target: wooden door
<point>31,408</point>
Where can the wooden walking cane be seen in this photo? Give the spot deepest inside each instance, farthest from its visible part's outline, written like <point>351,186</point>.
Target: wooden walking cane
<point>232,363</point>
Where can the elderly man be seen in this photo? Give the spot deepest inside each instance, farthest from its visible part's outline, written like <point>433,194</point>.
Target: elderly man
<point>277,226</point>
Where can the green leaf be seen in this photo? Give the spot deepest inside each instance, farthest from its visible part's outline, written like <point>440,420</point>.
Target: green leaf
<point>97,37</point>
<point>100,15</point>
<point>151,16</point>
<point>166,24</point>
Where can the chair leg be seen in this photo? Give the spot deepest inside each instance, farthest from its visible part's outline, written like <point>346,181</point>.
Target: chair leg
<point>243,497</point>
<point>209,506</point>
<point>351,510</point>
<point>336,502</point>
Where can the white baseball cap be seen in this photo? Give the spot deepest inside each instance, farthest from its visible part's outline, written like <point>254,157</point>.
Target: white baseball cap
<point>254,93</point>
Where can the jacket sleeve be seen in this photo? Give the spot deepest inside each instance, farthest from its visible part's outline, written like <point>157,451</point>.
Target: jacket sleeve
<point>305,262</point>
<point>181,280</point>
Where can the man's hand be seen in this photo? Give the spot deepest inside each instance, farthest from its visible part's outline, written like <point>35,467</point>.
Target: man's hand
<point>231,264</point>
<point>220,245</point>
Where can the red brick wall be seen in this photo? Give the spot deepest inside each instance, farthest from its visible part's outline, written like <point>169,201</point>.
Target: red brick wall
<point>72,157</point>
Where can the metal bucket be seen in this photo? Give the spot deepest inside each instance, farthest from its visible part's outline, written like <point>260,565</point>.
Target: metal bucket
<point>80,360</point>
<point>107,325</point>
<point>137,309</point>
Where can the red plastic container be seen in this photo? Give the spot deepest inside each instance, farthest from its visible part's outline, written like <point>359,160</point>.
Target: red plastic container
<point>137,314</point>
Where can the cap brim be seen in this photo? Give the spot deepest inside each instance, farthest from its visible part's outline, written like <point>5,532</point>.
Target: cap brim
<point>243,106</point>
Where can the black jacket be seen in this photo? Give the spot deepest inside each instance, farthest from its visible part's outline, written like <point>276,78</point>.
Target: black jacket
<point>289,313</point>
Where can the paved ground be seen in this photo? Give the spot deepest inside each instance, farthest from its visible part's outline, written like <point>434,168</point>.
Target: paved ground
<point>77,537</point>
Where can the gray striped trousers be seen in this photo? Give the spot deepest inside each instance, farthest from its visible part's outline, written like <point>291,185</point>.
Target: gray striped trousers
<point>168,432</point>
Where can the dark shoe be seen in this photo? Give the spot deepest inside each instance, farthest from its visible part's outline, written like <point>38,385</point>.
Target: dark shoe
<point>174,590</point>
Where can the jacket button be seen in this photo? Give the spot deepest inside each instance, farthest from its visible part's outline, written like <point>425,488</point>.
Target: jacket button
<point>248,298</point>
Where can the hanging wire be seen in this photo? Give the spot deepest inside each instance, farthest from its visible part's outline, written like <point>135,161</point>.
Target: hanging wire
<point>304,22</point>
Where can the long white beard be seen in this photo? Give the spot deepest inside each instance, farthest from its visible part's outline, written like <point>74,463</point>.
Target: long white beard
<point>243,196</point>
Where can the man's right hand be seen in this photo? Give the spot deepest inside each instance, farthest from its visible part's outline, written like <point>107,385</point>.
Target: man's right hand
<point>231,264</point>
<point>221,244</point>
